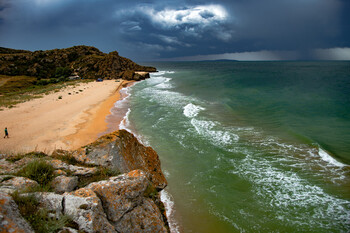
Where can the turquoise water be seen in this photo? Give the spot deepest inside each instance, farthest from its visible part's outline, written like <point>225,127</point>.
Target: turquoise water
<point>249,146</point>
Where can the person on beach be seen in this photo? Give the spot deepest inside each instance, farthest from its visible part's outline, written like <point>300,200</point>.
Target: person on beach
<point>6,133</point>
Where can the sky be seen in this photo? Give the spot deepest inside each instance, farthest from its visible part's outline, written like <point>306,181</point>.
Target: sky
<point>159,30</point>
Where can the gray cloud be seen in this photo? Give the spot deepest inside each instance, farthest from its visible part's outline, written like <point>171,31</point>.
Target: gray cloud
<point>177,28</point>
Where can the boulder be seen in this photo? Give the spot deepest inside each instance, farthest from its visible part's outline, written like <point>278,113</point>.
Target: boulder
<point>126,206</point>
<point>143,218</point>
<point>86,210</point>
<point>10,218</point>
<point>17,183</point>
<point>63,184</point>
<point>121,194</point>
<point>122,151</point>
<point>76,170</point>
<point>51,201</point>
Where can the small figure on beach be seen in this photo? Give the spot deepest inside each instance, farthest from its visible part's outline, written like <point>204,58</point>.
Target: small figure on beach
<point>6,133</point>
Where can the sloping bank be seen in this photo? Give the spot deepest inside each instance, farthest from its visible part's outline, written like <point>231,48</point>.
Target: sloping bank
<point>83,187</point>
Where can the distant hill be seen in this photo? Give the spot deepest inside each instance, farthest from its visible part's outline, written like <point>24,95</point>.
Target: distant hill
<point>85,61</point>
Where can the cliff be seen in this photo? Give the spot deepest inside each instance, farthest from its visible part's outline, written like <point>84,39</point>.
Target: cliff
<point>71,191</point>
<point>84,61</point>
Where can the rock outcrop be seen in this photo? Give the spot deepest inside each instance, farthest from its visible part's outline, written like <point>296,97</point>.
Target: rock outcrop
<point>10,218</point>
<point>84,61</point>
<point>129,202</point>
<point>121,150</point>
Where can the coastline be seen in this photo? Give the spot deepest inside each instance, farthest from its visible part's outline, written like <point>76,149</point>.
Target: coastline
<point>67,119</point>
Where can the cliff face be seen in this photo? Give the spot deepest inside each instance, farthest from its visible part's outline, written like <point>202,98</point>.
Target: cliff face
<point>87,62</point>
<point>128,202</point>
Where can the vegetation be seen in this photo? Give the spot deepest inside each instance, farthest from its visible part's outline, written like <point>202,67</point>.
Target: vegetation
<point>41,220</point>
<point>38,170</point>
<point>34,154</point>
<point>18,89</point>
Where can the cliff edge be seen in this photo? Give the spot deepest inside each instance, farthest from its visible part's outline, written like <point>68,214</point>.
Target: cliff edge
<point>111,185</point>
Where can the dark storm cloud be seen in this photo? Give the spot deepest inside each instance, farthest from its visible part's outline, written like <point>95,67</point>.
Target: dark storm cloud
<point>163,29</point>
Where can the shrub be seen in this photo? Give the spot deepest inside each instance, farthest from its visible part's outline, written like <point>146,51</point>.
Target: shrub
<point>38,170</point>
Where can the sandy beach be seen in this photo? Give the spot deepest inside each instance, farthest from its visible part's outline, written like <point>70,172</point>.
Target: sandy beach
<point>67,119</point>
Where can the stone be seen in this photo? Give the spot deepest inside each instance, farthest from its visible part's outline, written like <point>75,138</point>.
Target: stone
<point>86,210</point>
<point>143,218</point>
<point>76,170</point>
<point>122,151</point>
<point>121,194</point>
<point>137,156</point>
<point>10,218</point>
<point>68,230</point>
<point>63,184</point>
<point>126,206</point>
<point>51,201</point>
<point>18,183</point>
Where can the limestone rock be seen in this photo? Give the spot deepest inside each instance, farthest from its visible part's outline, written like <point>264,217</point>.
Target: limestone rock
<point>125,204</point>
<point>86,210</point>
<point>122,151</point>
<point>68,230</point>
<point>63,184</point>
<point>10,218</point>
<point>137,156</point>
<point>77,170</point>
<point>17,183</point>
<point>51,201</point>
<point>121,194</point>
<point>143,218</point>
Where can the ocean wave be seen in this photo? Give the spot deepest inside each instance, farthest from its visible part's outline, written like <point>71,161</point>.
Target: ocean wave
<point>287,193</point>
<point>162,72</point>
<point>217,137</point>
<point>191,110</point>
<point>169,204</point>
<point>329,159</point>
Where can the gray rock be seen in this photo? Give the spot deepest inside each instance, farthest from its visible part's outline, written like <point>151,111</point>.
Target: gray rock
<point>125,204</point>
<point>86,210</point>
<point>17,183</point>
<point>51,201</point>
<point>143,218</point>
<point>63,184</point>
<point>77,170</point>
<point>68,230</point>
<point>10,218</point>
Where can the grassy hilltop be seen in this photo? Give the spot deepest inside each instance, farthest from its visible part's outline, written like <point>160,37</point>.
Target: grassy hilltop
<point>25,74</point>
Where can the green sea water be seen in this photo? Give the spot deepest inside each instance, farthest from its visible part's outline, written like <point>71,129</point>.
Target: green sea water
<point>249,146</point>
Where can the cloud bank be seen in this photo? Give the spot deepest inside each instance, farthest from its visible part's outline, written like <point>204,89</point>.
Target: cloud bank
<point>168,29</point>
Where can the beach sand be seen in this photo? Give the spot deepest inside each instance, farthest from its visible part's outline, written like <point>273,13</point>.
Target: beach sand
<point>51,123</point>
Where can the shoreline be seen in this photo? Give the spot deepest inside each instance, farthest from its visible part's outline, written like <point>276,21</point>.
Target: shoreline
<point>68,119</point>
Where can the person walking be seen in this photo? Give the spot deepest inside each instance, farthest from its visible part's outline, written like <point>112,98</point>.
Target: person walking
<point>6,133</point>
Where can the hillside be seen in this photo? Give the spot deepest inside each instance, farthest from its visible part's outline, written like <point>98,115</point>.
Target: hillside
<point>85,61</point>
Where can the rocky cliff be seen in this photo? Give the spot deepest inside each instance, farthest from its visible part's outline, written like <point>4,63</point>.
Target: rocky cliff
<point>84,61</point>
<point>80,191</point>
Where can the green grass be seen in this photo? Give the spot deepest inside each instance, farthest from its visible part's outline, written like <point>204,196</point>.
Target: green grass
<point>38,170</point>
<point>39,218</point>
<point>19,89</point>
<point>34,154</point>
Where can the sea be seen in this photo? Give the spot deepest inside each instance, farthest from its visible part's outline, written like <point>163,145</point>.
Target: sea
<point>248,146</point>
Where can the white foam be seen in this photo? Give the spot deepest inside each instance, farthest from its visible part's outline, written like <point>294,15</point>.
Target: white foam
<point>329,159</point>
<point>217,137</point>
<point>191,110</point>
<point>124,124</point>
<point>169,204</point>
<point>162,72</point>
